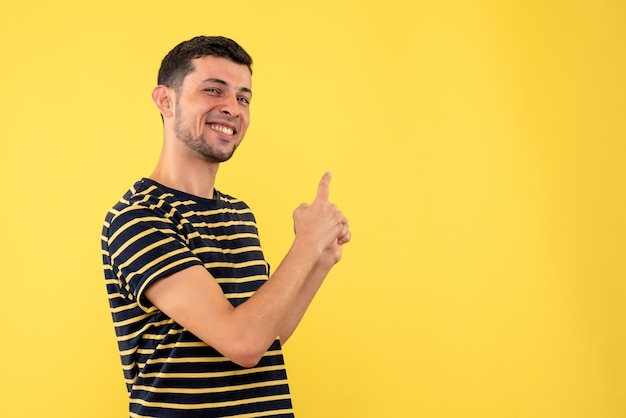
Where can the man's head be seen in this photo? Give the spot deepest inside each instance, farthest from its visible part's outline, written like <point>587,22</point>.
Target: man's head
<point>179,61</point>
<point>203,95</point>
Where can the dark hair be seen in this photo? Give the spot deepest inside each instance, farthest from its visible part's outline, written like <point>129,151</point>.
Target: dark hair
<point>178,62</point>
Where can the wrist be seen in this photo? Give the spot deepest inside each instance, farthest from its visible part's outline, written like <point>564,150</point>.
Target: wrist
<point>309,249</point>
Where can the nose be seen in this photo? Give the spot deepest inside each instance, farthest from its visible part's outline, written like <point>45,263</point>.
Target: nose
<point>230,106</point>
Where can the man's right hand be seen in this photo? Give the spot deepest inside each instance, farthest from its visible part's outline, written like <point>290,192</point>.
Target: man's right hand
<point>321,224</point>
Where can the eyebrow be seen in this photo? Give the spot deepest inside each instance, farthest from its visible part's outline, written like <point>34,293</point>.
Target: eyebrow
<point>224,83</point>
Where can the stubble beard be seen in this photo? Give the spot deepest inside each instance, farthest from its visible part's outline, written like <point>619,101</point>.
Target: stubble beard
<point>198,144</point>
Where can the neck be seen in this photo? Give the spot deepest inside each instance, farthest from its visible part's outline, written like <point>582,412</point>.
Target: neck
<point>186,172</point>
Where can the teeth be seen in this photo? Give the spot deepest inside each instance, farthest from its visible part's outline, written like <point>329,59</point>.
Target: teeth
<point>222,129</point>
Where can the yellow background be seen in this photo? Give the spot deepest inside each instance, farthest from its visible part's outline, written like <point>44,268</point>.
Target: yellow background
<point>478,149</point>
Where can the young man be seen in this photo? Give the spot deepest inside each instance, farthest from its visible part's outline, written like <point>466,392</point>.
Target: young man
<point>198,323</point>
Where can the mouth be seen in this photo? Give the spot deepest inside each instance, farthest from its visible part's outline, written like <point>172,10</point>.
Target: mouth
<point>222,128</point>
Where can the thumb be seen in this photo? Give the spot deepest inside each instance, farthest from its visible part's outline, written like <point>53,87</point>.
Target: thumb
<point>323,189</point>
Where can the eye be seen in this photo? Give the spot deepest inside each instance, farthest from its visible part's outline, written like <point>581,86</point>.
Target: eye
<point>212,90</point>
<point>243,100</point>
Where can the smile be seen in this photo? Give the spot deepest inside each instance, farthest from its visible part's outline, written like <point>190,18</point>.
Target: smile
<point>221,128</point>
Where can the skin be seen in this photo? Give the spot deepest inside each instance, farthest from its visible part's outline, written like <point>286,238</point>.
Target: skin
<point>216,95</point>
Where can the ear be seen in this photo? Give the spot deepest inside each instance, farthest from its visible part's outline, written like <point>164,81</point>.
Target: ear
<point>163,99</point>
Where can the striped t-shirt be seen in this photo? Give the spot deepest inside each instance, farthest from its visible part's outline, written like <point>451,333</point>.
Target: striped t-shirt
<point>151,233</point>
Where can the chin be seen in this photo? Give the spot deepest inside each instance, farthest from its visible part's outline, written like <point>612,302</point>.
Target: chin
<point>217,157</point>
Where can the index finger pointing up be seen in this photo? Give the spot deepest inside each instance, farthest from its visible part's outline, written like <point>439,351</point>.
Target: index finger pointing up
<point>323,189</point>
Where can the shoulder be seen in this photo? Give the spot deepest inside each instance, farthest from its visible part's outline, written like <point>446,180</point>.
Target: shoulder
<point>231,202</point>
<point>145,200</point>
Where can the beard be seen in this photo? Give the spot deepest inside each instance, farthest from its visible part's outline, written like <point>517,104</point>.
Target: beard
<point>198,144</point>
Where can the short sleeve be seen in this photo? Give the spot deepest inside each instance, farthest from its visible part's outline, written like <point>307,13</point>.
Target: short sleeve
<point>146,245</point>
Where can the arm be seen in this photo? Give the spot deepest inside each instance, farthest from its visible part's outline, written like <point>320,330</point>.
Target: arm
<point>193,298</point>
<point>331,256</point>
<point>314,281</point>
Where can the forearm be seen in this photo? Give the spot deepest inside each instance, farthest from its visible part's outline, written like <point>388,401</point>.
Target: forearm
<point>287,295</point>
<point>256,323</point>
<point>264,313</point>
<point>291,289</point>
<point>303,300</point>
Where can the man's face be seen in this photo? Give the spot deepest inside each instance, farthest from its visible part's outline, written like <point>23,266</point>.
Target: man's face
<point>212,107</point>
